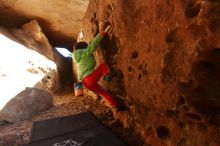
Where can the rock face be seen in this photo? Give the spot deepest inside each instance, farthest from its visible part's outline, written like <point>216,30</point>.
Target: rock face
<point>30,70</point>
<point>166,56</point>
<point>25,104</point>
<point>60,20</point>
<point>32,36</point>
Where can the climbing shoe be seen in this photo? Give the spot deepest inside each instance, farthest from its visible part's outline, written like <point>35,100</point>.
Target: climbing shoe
<point>108,77</point>
<point>98,97</point>
<point>121,108</point>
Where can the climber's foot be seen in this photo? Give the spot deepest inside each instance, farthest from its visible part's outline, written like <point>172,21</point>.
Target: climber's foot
<point>99,98</point>
<point>108,77</point>
<point>121,108</point>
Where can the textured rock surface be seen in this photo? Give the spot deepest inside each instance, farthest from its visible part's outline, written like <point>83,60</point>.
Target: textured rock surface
<point>29,71</point>
<point>60,20</point>
<point>21,67</point>
<point>25,104</point>
<point>166,56</point>
<point>32,36</point>
<point>65,104</point>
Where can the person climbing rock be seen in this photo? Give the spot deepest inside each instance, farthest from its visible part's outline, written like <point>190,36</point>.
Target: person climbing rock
<point>87,74</point>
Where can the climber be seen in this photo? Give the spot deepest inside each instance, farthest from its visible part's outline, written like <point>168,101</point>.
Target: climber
<point>84,58</point>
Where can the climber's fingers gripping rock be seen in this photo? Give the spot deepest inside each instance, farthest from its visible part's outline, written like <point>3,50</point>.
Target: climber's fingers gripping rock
<point>107,28</point>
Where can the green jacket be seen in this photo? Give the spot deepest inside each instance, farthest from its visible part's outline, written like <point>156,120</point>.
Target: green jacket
<point>85,59</point>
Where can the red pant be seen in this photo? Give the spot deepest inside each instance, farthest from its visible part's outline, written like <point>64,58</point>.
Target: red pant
<point>91,80</point>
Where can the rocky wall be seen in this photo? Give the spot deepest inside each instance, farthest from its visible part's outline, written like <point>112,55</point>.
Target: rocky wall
<point>165,55</point>
<point>32,36</point>
<point>60,20</point>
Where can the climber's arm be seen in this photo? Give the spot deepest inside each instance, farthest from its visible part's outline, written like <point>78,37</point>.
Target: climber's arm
<point>93,45</point>
<point>95,42</point>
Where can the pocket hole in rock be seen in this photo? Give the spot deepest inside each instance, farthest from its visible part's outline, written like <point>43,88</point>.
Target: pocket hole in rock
<point>94,15</point>
<point>181,100</point>
<point>182,125</point>
<point>134,55</point>
<point>192,10</point>
<point>203,69</point>
<point>140,67</point>
<point>109,7</point>
<point>92,20</point>
<point>214,26</point>
<point>182,142</point>
<point>170,37</point>
<point>206,65</point>
<point>139,76</point>
<point>48,77</point>
<point>130,69</point>
<point>145,72</point>
<point>107,23</point>
<point>120,74</point>
<point>108,11</point>
<point>150,129</point>
<point>183,86</point>
<point>194,116</point>
<point>163,132</point>
<point>186,108</point>
<point>172,113</point>
<point>215,53</point>
<point>202,126</point>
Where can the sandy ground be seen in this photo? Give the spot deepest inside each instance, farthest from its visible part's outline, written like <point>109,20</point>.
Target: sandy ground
<point>65,103</point>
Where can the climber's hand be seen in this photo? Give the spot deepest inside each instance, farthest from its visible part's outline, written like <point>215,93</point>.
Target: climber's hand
<point>103,33</point>
<point>80,36</point>
<point>107,28</point>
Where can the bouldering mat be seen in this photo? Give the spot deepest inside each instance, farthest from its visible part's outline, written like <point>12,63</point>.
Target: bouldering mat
<point>83,129</point>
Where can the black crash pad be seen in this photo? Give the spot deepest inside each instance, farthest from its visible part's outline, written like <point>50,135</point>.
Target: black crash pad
<point>83,129</point>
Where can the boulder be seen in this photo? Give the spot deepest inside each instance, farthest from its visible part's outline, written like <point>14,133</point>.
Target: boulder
<point>26,104</point>
<point>32,36</point>
<point>61,20</point>
<point>166,58</point>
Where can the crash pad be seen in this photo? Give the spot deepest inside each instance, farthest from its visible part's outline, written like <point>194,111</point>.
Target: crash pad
<point>82,129</point>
